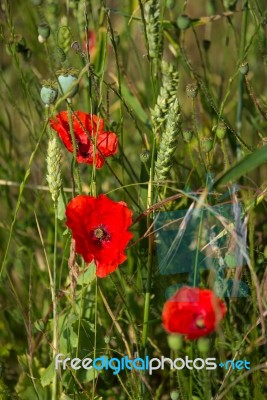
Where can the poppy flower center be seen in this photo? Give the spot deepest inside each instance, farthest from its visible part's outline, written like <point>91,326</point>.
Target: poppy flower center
<point>100,235</point>
<point>200,323</point>
<point>83,148</point>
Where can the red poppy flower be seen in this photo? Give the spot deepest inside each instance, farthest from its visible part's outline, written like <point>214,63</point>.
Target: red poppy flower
<point>92,42</point>
<point>88,128</point>
<point>100,230</point>
<point>193,312</point>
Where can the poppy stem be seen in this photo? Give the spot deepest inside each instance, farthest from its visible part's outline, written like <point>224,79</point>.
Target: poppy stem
<point>74,145</point>
<point>54,300</point>
<point>150,199</point>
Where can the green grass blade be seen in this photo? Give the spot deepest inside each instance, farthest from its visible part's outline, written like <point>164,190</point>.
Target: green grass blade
<point>247,164</point>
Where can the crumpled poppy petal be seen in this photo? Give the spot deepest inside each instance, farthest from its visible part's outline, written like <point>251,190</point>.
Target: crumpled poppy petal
<point>93,144</point>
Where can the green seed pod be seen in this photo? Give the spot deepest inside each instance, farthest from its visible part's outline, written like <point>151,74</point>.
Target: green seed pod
<point>170,4</point>
<point>187,135</point>
<point>144,156</point>
<point>66,79</point>
<point>221,131</point>
<point>49,92</point>
<point>174,395</point>
<point>44,30</point>
<point>36,2</point>
<point>183,22</point>
<point>203,345</point>
<point>244,68</point>
<point>175,342</point>
<point>191,90</point>
<point>207,144</point>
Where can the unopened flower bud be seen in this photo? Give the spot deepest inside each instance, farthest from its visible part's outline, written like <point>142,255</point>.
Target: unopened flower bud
<point>221,131</point>
<point>175,342</point>
<point>207,144</point>
<point>144,156</point>
<point>244,68</point>
<point>203,345</point>
<point>183,22</point>
<point>44,30</point>
<point>191,90</point>
<point>170,4</point>
<point>187,135</point>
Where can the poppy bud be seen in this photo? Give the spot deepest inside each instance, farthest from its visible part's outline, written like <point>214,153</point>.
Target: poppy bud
<point>170,4</point>
<point>244,68</point>
<point>144,156</point>
<point>174,395</point>
<point>191,90</point>
<point>203,345</point>
<point>221,130</point>
<point>49,92</point>
<point>183,22</point>
<point>66,79</point>
<point>187,135</point>
<point>207,144</point>
<point>175,342</point>
<point>44,30</point>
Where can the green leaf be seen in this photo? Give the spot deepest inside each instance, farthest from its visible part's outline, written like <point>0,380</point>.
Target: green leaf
<point>88,277</point>
<point>61,208</point>
<point>48,375</point>
<point>250,162</point>
<point>134,103</point>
